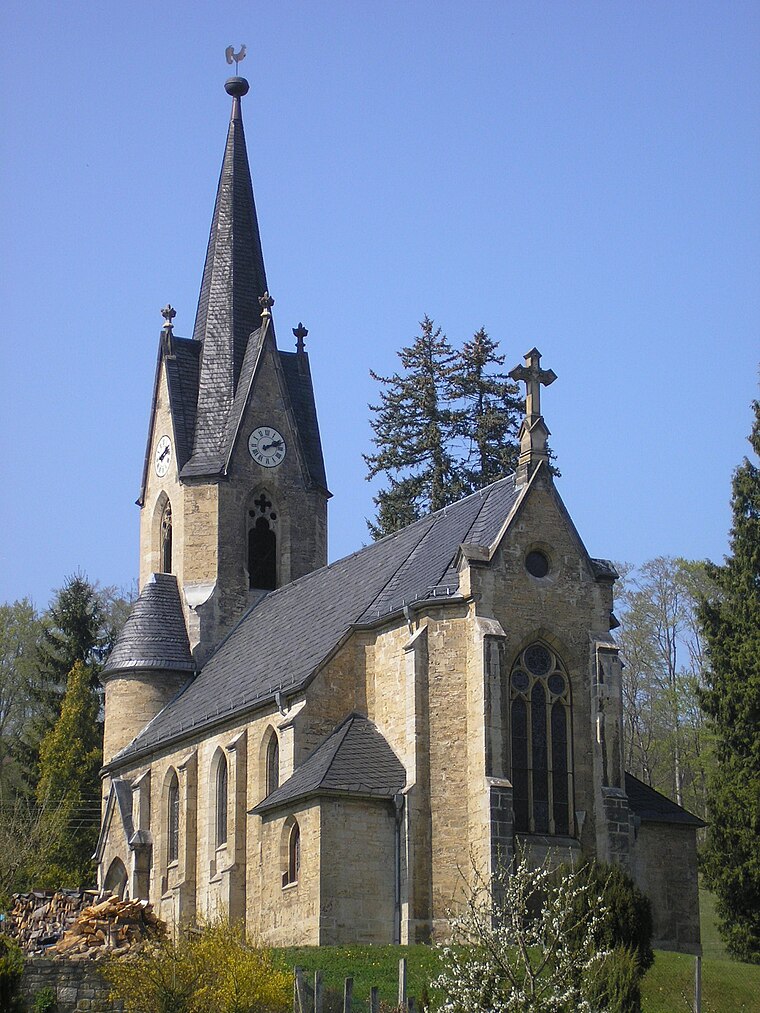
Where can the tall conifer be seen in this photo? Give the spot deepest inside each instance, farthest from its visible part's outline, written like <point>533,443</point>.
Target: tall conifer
<point>731,622</point>
<point>415,426</point>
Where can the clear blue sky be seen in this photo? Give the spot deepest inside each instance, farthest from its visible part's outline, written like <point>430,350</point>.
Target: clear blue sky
<point>581,176</point>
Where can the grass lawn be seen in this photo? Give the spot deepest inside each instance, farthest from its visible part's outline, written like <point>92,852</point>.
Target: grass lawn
<point>727,986</point>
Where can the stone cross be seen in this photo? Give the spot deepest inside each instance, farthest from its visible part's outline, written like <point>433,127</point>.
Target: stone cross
<point>533,376</point>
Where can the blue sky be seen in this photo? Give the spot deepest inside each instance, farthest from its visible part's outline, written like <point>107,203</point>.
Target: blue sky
<point>584,177</point>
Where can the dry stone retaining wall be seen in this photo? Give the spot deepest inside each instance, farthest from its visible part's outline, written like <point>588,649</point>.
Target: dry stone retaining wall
<point>77,985</point>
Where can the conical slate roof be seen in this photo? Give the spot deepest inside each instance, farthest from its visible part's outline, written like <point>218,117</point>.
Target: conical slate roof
<point>233,281</point>
<point>154,635</point>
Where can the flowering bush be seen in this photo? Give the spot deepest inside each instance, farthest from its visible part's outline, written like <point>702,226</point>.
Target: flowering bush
<point>525,943</point>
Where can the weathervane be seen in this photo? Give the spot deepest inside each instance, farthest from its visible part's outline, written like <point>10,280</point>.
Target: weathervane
<point>233,57</point>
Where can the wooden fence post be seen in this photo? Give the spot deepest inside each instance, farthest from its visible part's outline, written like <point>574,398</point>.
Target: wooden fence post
<point>698,984</point>
<point>317,992</point>
<point>402,982</point>
<point>348,994</point>
<point>299,1005</point>
<point>374,1000</point>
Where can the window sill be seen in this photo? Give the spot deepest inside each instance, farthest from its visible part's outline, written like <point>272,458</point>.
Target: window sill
<point>290,886</point>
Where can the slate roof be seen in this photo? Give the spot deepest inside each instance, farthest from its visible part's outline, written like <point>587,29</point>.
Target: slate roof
<point>280,643</point>
<point>182,368</point>
<point>652,807</point>
<point>295,367</point>
<point>355,759</point>
<point>154,635</point>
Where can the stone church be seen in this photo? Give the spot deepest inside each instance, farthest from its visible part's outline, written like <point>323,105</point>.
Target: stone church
<point>323,751</point>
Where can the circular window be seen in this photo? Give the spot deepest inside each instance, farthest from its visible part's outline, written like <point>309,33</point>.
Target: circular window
<point>537,659</point>
<point>536,563</point>
<point>520,681</point>
<point>556,683</point>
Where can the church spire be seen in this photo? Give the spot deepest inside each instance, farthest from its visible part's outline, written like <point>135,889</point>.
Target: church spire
<point>233,278</point>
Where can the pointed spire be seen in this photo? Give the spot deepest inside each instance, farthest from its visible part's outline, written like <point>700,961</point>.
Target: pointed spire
<point>233,279</point>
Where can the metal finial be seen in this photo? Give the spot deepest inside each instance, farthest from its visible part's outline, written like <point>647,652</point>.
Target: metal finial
<point>168,313</point>
<point>300,333</point>
<point>266,302</point>
<point>233,57</point>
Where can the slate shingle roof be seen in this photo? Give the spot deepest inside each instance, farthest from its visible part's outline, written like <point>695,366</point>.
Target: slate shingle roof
<point>182,380</point>
<point>354,759</point>
<point>652,807</point>
<point>280,642</point>
<point>297,375</point>
<point>154,635</point>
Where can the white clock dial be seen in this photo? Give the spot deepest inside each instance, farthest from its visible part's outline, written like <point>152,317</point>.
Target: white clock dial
<point>163,457</point>
<point>267,447</point>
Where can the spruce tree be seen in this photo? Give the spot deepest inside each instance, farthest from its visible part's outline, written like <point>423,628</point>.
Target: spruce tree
<point>70,758</point>
<point>492,412</point>
<point>731,623</point>
<point>415,426</point>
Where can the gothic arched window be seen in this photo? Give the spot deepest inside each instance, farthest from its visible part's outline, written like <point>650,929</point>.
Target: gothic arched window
<point>292,855</point>
<point>172,820</point>
<point>273,764</point>
<point>542,769</point>
<point>221,802</point>
<point>166,539</point>
<point>262,545</point>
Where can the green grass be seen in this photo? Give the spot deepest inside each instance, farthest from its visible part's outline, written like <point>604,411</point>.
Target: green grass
<point>712,944</point>
<point>727,986</point>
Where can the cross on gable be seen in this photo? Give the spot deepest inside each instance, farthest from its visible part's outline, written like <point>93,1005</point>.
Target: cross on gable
<point>533,376</point>
<point>262,503</point>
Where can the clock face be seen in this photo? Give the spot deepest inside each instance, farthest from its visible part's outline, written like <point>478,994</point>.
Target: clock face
<point>163,456</point>
<point>267,447</point>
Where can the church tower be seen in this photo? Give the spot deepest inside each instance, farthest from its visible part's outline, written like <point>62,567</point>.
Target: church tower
<point>234,495</point>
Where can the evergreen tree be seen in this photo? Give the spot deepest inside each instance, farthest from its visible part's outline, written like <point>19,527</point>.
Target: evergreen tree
<point>492,412</point>
<point>415,426</point>
<point>731,623</point>
<point>70,758</point>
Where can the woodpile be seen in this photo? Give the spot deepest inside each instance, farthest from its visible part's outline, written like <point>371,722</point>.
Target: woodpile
<point>111,928</point>
<point>39,919</point>
<point>69,924</point>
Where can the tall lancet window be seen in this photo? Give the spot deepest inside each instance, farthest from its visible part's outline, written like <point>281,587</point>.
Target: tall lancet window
<point>542,756</point>
<point>166,539</point>
<point>172,820</point>
<point>221,802</point>
<point>262,545</point>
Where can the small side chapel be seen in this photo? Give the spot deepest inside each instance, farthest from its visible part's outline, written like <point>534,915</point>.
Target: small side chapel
<point>323,751</point>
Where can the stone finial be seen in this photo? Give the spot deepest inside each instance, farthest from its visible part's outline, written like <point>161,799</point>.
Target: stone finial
<point>167,331</point>
<point>266,302</point>
<point>533,431</point>
<point>300,333</point>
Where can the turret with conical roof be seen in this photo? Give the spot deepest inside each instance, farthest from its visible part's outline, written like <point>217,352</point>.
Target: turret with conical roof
<point>234,494</point>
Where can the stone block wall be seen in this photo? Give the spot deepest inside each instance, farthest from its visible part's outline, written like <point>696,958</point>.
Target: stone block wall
<point>78,985</point>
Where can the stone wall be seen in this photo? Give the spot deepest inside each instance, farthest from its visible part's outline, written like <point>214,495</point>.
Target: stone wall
<point>77,985</point>
<point>665,868</point>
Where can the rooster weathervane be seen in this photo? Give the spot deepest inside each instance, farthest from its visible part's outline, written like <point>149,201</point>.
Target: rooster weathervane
<point>233,57</point>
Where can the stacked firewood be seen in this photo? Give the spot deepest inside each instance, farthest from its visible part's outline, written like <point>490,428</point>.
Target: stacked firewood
<point>39,919</point>
<point>111,928</point>
<point>83,925</point>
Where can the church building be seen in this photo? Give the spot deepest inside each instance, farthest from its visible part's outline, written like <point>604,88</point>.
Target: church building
<point>325,752</point>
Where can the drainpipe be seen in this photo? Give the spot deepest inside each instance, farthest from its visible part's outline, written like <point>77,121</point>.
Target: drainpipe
<point>398,805</point>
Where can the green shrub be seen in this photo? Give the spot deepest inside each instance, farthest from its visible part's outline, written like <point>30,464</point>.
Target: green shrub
<point>44,1000</point>
<point>617,983</point>
<point>627,921</point>
<point>11,968</point>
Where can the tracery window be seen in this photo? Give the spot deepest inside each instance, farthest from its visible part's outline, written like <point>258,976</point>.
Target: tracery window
<point>262,545</point>
<point>172,820</point>
<point>542,768</point>
<point>166,539</point>
<point>221,802</point>
<point>273,764</point>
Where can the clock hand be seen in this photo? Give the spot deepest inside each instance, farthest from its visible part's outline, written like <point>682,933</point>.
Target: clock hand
<point>163,454</point>
<point>272,446</point>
